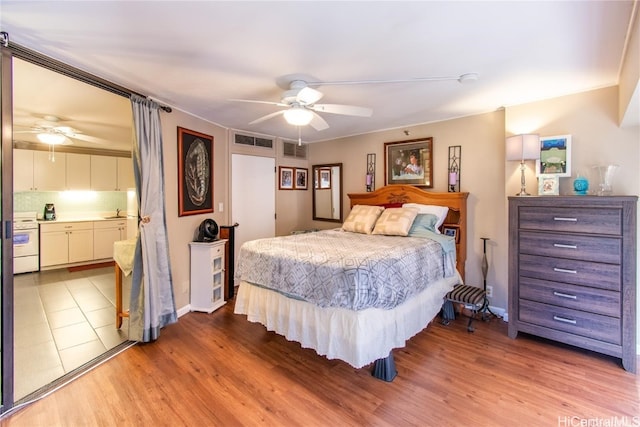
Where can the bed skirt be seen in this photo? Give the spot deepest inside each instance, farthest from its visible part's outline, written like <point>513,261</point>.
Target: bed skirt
<point>356,337</point>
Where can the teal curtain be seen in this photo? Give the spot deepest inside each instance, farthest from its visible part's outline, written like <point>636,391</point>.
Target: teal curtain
<point>152,304</point>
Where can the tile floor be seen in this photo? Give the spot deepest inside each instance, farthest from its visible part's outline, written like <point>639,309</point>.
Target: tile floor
<point>63,320</point>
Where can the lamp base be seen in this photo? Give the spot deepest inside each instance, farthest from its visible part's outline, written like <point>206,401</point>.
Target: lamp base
<point>523,193</point>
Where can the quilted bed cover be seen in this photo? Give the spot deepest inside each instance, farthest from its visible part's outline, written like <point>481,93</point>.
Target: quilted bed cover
<point>335,268</point>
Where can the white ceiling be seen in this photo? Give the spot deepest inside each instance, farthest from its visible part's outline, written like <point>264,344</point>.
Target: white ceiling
<point>195,56</point>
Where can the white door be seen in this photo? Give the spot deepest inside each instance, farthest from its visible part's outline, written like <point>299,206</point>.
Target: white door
<point>253,198</point>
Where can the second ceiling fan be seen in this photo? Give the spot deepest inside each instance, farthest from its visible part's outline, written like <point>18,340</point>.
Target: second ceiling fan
<point>301,100</point>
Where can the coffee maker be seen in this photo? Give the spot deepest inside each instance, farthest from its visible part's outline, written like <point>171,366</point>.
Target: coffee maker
<point>49,212</point>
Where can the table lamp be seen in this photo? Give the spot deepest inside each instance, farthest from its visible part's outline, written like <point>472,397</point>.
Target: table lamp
<point>523,147</point>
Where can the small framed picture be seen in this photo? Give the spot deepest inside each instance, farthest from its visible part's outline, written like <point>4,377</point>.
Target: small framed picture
<point>450,231</point>
<point>548,185</point>
<point>301,179</point>
<point>325,178</point>
<point>555,156</point>
<point>286,178</point>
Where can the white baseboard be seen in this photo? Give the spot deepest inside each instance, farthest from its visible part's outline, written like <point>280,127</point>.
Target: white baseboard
<point>184,310</point>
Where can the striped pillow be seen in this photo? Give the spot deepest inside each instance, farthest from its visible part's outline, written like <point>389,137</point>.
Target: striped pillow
<point>395,221</point>
<point>362,218</point>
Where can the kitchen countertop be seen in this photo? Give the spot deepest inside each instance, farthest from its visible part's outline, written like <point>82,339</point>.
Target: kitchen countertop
<point>83,219</point>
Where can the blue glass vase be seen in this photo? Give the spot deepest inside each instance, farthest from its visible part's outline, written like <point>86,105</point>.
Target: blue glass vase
<point>581,185</point>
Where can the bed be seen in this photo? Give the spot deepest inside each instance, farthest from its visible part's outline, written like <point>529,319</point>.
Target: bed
<point>368,293</point>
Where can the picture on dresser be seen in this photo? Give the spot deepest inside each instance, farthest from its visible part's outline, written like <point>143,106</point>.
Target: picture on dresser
<point>548,185</point>
<point>555,156</point>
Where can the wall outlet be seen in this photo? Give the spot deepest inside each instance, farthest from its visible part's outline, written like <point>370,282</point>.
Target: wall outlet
<point>489,291</point>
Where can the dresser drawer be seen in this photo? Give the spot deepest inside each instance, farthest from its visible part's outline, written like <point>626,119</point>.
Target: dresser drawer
<point>586,220</point>
<point>602,328</point>
<point>586,248</point>
<point>591,274</point>
<point>576,297</point>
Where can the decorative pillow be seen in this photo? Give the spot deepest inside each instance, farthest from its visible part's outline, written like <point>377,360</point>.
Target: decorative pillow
<point>395,221</point>
<point>423,225</point>
<point>362,218</point>
<point>439,211</point>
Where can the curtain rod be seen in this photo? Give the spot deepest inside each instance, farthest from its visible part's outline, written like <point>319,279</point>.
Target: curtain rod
<point>49,63</point>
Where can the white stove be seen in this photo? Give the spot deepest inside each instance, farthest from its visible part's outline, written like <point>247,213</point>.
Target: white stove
<point>26,242</point>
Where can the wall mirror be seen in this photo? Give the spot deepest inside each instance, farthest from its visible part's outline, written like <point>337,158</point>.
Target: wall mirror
<point>327,192</point>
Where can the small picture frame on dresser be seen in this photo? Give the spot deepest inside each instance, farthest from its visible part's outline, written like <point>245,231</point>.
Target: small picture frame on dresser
<point>548,185</point>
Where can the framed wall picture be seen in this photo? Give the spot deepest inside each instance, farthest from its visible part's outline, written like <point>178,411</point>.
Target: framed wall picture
<point>301,179</point>
<point>195,172</point>
<point>325,178</point>
<point>286,178</point>
<point>555,156</point>
<point>409,162</point>
<point>548,185</point>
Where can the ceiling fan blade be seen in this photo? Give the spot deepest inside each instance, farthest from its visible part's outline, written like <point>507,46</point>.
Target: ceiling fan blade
<point>462,78</point>
<point>318,123</point>
<point>253,101</point>
<point>309,96</point>
<point>267,117</point>
<point>86,138</point>
<point>347,110</point>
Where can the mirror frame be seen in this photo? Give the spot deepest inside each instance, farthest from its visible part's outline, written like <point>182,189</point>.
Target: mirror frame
<point>314,168</point>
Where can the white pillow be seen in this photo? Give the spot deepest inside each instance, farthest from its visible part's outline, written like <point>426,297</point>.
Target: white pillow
<point>439,211</point>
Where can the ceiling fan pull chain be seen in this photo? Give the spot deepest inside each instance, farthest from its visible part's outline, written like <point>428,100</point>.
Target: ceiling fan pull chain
<point>299,137</point>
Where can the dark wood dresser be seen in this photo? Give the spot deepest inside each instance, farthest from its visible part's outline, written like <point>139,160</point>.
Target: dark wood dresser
<point>572,271</point>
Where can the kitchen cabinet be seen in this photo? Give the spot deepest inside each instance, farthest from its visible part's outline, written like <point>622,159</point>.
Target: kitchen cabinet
<point>104,173</point>
<point>207,275</point>
<point>49,175</point>
<point>105,233</point>
<point>23,170</point>
<point>65,243</point>
<point>125,174</point>
<point>78,171</point>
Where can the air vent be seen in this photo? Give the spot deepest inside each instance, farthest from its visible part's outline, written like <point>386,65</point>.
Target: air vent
<point>293,149</point>
<point>253,141</point>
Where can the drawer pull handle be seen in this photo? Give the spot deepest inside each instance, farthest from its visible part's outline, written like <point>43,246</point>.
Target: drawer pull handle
<point>560,294</point>
<point>561,245</point>
<point>564,320</point>
<point>560,218</point>
<point>564,270</point>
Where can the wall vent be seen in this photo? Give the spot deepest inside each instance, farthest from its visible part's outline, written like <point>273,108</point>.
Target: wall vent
<point>292,149</point>
<point>253,141</point>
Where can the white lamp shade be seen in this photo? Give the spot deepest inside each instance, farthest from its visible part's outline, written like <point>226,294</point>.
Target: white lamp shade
<point>523,147</point>
<point>298,116</point>
<point>51,138</point>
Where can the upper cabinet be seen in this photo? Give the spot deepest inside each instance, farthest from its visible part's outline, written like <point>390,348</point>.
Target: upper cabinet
<point>35,171</point>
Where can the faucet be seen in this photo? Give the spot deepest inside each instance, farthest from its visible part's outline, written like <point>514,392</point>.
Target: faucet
<point>117,212</point>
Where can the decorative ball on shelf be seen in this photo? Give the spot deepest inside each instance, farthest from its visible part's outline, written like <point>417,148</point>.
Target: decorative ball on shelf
<point>581,185</point>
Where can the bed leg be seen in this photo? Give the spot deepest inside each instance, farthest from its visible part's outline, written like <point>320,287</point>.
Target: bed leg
<point>385,369</point>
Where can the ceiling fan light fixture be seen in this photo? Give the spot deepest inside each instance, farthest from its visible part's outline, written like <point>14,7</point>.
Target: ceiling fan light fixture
<point>51,138</point>
<point>298,116</point>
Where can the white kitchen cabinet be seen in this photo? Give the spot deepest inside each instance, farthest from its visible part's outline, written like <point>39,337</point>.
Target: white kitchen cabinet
<point>65,243</point>
<point>78,171</point>
<point>125,173</point>
<point>49,175</point>
<point>104,173</point>
<point>207,275</point>
<point>105,233</point>
<point>22,170</point>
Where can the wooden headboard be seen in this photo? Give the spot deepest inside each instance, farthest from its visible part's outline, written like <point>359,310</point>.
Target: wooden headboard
<point>396,195</point>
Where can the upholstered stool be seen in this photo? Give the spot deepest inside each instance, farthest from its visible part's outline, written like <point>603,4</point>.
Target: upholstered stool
<point>472,297</point>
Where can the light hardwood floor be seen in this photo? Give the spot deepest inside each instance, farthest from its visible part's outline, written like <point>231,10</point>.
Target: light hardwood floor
<point>220,370</point>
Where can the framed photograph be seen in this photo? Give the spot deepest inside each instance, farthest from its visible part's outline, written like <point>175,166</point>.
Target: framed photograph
<point>325,178</point>
<point>450,231</point>
<point>409,162</point>
<point>548,185</point>
<point>301,179</point>
<point>555,156</point>
<point>286,178</point>
<point>195,172</point>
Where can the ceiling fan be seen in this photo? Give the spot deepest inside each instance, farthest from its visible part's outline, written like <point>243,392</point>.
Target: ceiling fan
<point>51,131</point>
<point>300,100</point>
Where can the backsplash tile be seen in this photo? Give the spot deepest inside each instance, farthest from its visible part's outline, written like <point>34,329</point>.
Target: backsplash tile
<point>70,201</point>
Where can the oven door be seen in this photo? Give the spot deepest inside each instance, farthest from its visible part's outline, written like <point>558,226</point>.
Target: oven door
<point>25,243</point>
